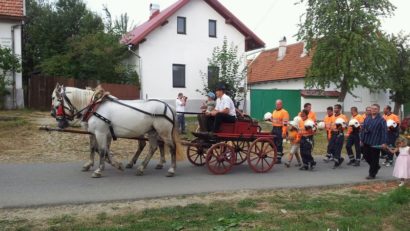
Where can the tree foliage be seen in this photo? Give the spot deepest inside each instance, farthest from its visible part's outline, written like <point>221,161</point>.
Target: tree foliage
<point>227,68</point>
<point>349,48</point>
<point>398,77</point>
<point>64,38</point>
<point>8,63</point>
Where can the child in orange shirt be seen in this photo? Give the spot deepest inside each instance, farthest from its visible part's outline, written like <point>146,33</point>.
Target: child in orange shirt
<point>294,138</point>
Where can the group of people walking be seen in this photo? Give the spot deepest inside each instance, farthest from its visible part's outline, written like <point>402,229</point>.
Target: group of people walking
<point>368,136</point>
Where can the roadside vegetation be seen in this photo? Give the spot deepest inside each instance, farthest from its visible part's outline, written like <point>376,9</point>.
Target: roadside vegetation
<point>377,206</point>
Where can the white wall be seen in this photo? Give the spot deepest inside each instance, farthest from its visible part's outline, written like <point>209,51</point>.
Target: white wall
<point>164,47</point>
<point>363,97</point>
<point>6,41</point>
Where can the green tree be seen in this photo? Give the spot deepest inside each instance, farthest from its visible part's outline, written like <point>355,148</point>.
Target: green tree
<point>226,68</point>
<point>8,63</point>
<point>49,25</point>
<point>349,48</point>
<point>95,56</point>
<point>398,77</point>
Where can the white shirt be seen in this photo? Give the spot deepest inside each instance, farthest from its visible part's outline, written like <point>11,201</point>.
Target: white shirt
<point>225,102</point>
<point>180,106</point>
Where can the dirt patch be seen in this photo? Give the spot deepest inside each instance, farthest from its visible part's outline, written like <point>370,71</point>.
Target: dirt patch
<point>23,142</point>
<point>378,187</point>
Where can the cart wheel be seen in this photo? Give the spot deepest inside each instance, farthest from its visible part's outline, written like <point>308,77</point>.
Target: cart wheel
<point>262,155</point>
<point>196,154</point>
<point>220,158</point>
<point>241,149</point>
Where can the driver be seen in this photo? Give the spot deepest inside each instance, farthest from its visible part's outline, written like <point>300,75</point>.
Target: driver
<point>224,110</point>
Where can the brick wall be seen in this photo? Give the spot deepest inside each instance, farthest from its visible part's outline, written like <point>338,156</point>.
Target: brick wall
<point>12,8</point>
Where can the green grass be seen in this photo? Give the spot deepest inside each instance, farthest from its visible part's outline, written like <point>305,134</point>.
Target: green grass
<point>289,210</point>
<point>8,122</point>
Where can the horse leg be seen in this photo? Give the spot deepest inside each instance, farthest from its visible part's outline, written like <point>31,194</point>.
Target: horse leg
<point>103,151</point>
<point>153,147</point>
<point>171,170</point>
<point>110,158</point>
<point>161,163</point>
<point>93,149</point>
<point>141,146</point>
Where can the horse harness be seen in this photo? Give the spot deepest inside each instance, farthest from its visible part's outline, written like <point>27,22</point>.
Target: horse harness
<point>94,105</point>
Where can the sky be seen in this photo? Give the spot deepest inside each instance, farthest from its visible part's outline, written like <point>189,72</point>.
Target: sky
<point>269,19</point>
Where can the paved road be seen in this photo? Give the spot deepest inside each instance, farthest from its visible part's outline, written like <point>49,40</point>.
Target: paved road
<point>23,185</point>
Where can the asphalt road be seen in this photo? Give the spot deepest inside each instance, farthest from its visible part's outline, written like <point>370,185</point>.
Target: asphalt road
<point>26,185</point>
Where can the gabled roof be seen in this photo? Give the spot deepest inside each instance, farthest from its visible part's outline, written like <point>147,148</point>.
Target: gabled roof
<point>12,9</point>
<point>266,67</point>
<point>138,35</point>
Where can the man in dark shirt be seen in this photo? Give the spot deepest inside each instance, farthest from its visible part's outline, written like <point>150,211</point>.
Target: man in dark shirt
<point>373,139</point>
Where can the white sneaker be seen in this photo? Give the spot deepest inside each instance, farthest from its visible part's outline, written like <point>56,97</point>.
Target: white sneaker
<point>401,184</point>
<point>388,164</point>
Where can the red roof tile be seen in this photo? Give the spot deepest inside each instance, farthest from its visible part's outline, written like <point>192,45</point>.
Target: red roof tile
<point>266,67</point>
<point>11,8</point>
<point>139,33</point>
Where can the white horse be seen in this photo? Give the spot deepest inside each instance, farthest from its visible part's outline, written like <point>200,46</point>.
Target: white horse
<point>122,119</point>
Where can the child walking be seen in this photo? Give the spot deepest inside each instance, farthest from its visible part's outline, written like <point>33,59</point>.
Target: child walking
<point>294,139</point>
<point>402,166</point>
<point>306,132</point>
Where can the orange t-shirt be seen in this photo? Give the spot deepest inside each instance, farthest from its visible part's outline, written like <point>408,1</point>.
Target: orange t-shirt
<point>311,116</point>
<point>294,137</point>
<point>302,130</point>
<point>280,118</point>
<point>334,118</point>
<point>328,125</point>
<point>393,117</point>
<point>357,117</point>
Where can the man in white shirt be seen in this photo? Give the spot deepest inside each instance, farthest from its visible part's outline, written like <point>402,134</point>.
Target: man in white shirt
<point>180,107</point>
<point>224,110</point>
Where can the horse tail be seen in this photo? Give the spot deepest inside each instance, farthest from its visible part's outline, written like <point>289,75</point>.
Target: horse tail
<point>179,151</point>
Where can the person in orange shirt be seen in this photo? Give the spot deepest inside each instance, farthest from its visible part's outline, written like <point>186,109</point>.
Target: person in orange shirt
<point>353,137</point>
<point>335,132</point>
<point>328,126</point>
<point>280,119</point>
<point>311,115</point>
<point>392,134</point>
<point>367,113</point>
<point>294,138</point>
<point>306,132</point>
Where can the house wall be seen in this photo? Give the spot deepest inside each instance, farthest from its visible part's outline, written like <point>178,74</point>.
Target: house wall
<point>6,41</point>
<point>363,96</point>
<point>164,47</point>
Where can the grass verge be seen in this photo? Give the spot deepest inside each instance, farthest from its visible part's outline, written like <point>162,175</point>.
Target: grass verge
<point>349,208</point>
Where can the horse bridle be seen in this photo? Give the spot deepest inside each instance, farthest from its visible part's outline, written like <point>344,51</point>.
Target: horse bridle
<point>75,113</point>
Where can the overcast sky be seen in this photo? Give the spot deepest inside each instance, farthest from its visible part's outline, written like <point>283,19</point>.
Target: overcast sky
<point>269,19</point>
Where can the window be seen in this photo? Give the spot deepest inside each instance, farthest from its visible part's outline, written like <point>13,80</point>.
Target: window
<point>181,25</point>
<point>178,76</point>
<point>213,75</point>
<point>212,28</point>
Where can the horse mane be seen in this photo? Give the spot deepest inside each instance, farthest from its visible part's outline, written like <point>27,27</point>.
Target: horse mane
<point>79,97</point>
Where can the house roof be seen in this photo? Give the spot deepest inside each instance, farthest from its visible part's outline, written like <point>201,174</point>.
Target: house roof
<point>138,35</point>
<point>11,9</point>
<point>266,67</point>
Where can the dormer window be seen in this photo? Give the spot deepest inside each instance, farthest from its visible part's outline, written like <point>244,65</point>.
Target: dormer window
<point>181,25</point>
<point>212,28</point>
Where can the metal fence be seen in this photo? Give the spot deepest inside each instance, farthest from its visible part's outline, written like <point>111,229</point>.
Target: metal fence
<point>40,89</point>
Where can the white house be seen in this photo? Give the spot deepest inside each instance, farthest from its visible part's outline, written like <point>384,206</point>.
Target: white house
<point>280,72</point>
<point>12,13</point>
<point>172,48</point>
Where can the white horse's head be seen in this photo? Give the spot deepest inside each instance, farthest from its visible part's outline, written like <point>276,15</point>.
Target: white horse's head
<point>61,107</point>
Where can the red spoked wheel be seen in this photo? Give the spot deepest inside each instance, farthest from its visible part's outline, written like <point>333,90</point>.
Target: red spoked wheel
<point>220,158</point>
<point>262,155</point>
<point>196,154</point>
<point>241,149</point>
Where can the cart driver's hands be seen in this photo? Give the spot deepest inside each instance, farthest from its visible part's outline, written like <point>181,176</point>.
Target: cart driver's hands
<point>214,112</point>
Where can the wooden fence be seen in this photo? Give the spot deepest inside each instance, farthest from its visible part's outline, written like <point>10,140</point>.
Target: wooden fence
<point>40,89</point>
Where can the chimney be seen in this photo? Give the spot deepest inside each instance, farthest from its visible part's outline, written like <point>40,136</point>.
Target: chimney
<point>282,48</point>
<point>154,10</point>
